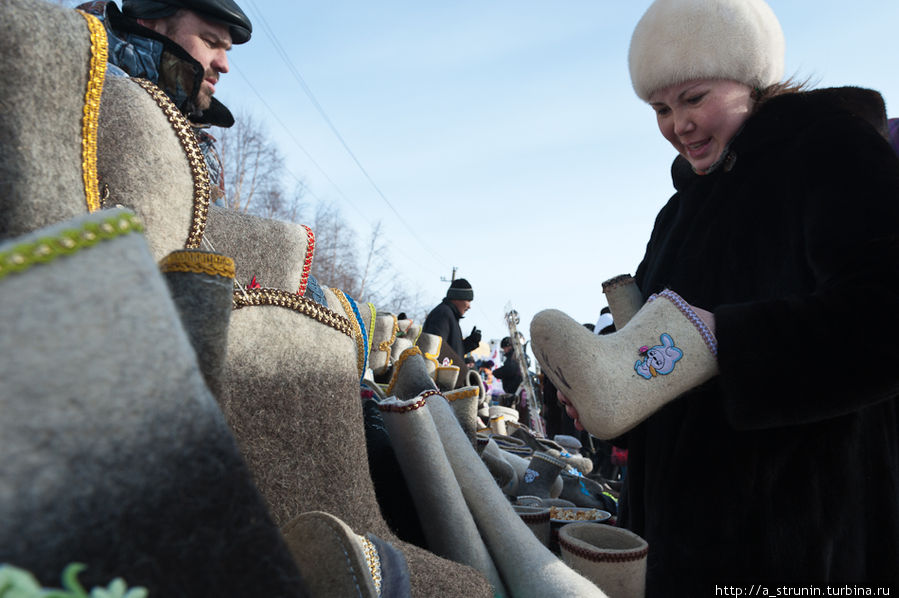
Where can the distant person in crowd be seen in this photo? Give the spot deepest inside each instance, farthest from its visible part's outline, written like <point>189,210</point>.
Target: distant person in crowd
<point>443,320</point>
<point>510,372</point>
<point>181,46</point>
<point>781,465</point>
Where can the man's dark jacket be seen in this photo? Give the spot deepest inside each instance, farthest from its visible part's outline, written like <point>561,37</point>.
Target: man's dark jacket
<point>509,373</point>
<point>443,321</point>
<point>784,469</point>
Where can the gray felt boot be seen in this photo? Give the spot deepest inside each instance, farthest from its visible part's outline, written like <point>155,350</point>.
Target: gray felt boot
<point>108,427</point>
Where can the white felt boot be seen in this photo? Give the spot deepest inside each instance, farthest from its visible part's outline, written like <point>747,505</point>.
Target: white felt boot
<point>623,297</point>
<point>617,380</point>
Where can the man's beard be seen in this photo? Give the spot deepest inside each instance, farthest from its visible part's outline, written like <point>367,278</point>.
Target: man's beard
<point>204,96</point>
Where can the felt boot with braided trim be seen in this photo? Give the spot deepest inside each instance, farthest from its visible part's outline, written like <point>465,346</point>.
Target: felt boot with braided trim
<point>616,381</point>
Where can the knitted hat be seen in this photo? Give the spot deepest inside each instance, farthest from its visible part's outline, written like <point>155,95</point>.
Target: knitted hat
<point>226,12</point>
<point>681,40</point>
<point>460,289</point>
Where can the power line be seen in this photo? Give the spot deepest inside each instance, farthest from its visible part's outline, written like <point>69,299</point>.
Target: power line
<point>308,91</point>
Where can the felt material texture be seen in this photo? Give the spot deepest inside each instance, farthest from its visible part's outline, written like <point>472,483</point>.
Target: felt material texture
<point>42,92</point>
<point>382,339</point>
<point>331,556</point>
<point>527,567</point>
<point>114,452</point>
<point>804,231</point>
<point>203,299</point>
<point>391,488</point>
<point>604,377</point>
<point>448,525</point>
<point>446,377</point>
<point>612,557</point>
<point>145,168</point>
<point>623,297</point>
<point>680,40</point>
<point>540,475</point>
<point>271,251</point>
<point>537,520</point>
<point>291,395</point>
<point>429,343</point>
<point>464,402</point>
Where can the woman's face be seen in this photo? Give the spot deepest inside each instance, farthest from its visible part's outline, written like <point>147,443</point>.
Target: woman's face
<point>700,117</point>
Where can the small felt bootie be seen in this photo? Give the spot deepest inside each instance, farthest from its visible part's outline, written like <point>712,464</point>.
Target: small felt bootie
<point>541,473</point>
<point>623,297</point>
<point>616,381</point>
<point>611,557</point>
<point>336,561</point>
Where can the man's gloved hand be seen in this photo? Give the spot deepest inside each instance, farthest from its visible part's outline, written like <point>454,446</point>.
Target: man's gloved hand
<point>475,336</point>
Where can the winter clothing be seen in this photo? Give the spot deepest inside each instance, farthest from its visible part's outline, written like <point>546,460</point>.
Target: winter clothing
<point>136,51</point>
<point>222,11</point>
<point>894,133</point>
<point>792,452</point>
<point>443,321</point>
<point>460,289</point>
<point>681,40</point>
<point>509,373</point>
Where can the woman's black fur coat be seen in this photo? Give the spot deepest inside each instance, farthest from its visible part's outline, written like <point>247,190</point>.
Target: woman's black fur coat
<point>784,469</point>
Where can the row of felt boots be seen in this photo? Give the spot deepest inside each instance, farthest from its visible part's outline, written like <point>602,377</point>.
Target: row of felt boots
<point>159,425</point>
<point>181,402</point>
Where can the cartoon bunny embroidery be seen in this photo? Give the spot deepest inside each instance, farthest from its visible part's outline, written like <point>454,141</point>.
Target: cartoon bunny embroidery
<point>659,359</point>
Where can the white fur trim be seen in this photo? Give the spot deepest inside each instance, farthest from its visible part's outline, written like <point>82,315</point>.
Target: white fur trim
<point>681,40</point>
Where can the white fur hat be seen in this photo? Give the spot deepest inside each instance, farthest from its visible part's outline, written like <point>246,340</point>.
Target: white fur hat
<point>682,40</point>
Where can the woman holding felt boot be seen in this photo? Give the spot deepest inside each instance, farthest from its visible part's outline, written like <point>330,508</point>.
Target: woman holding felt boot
<point>785,220</point>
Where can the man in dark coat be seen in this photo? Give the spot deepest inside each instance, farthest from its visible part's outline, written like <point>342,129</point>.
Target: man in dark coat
<point>180,45</point>
<point>509,372</point>
<point>443,320</point>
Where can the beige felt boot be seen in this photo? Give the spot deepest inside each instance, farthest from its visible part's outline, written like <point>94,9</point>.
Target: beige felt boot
<point>617,380</point>
<point>611,557</point>
<point>623,297</point>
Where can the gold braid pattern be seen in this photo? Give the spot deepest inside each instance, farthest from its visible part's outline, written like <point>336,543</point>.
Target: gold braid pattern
<point>373,561</point>
<point>279,298</point>
<point>371,328</point>
<point>23,256</point>
<point>399,364</point>
<point>99,56</point>
<point>462,393</point>
<point>385,345</point>
<point>357,333</point>
<point>194,157</point>
<point>198,262</point>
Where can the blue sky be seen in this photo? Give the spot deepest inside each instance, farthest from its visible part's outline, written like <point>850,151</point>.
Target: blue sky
<point>505,134</point>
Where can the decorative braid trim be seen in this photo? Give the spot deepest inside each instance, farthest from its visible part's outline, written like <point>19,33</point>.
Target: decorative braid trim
<point>46,249</point>
<point>374,315</point>
<point>462,393</point>
<point>99,56</point>
<point>418,404</point>
<point>279,298</point>
<point>603,557</point>
<point>307,262</point>
<point>194,157</point>
<point>688,312</point>
<point>198,263</point>
<point>385,345</point>
<point>617,281</point>
<point>535,517</point>
<point>355,320</point>
<point>399,365</point>
<point>373,560</point>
